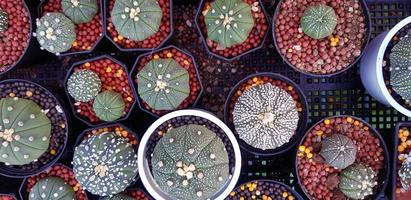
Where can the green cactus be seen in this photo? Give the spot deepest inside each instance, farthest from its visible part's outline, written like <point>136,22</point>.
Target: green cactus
<point>401,67</point>
<point>4,21</point>
<point>80,11</point>
<point>338,151</point>
<point>24,131</point>
<point>163,84</point>
<point>318,21</point>
<point>405,173</point>
<point>190,162</point>
<point>357,181</point>
<point>229,22</point>
<point>55,32</point>
<point>119,197</point>
<point>109,105</point>
<point>136,19</point>
<point>105,164</point>
<point>84,85</point>
<point>52,188</point>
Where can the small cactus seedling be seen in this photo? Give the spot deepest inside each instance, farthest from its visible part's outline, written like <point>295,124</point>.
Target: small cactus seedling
<point>229,22</point>
<point>357,181</point>
<point>190,162</point>
<point>405,173</point>
<point>318,21</point>
<point>119,197</point>
<point>80,11</point>
<point>163,84</point>
<point>105,164</point>
<point>109,105</point>
<point>136,19</point>
<point>4,21</point>
<point>52,188</point>
<point>265,116</point>
<point>84,85</point>
<point>55,32</point>
<point>24,131</point>
<point>400,59</point>
<point>338,151</point>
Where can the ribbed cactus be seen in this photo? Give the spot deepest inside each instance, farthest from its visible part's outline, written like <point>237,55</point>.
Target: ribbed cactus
<point>119,197</point>
<point>105,164</point>
<point>55,32</point>
<point>136,19</point>
<point>163,84</point>
<point>52,188</point>
<point>400,59</point>
<point>4,21</point>
<point>318,21</point>
<point>190,162</point>
<point>405,173</point>
<point>229,22</point>
<point>338,151</point>
<point>357,181</point>
<point>109,105</point>
<point>24,131</point>
<point>80,11</point>
<point>84,85</point>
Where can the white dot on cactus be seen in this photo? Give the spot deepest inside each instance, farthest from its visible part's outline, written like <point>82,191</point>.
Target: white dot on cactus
<point>42,33</point>
<point>123,16</point>
<point>41,48</point>
<point>177,83</point>
<point>38,22</point>
<point>160,163</point>
<point>44,138</point>
<point>220,178</point>
<point>168,75</point>
<point>221,16</point>
<point>160,77</point>
<point>224,7</point>
<point>43,195</point>
<point>171,140</point>
<point>31,138</point>
<point>9,108</point>
<point>217,21</point>
<point>41,41</point>
<point>199,193</point>
<point>56,194</point>
<point>185,182</point>
<point>26,156</point>
<point>167,91</point>
<point>191,151</point>
<point>179,164</point>
<point>160,65</point>
<point>46,23</point>
<point>240,16</point>
<point>135,3</point>
<point>43,186</point>
<point>220,31</point>
<point>60,188</point>
<point>17,137</point>
<point>149,85</point>
<point>5,144</point>
<point>16,149</point>
<point>212,156</point>
<point>4,156</point>
<point>136,19</point>
<point>6,121</point>
<point>20,123</point>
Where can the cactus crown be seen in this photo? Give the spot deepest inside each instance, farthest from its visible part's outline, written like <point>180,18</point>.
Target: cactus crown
<point>358,181</point>
<point>338,151</point>
<point>401,67</point>
<point>119,197</point>
<point>190,162</point>
<point>24,131</point>
<point>405,173</point>
<point>163,84</point>
<point>80,11</point>
<point>229,22</point>
<point>265,116</point>
<point>136,19</point>
<point>52,188</point>
<point>109,105</point>
<point>4,21</point>
<point>84,85</point>
<point>55,32</point>
<point>318,21</point>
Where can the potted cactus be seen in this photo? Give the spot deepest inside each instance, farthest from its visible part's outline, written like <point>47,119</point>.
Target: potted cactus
<point>321,38</point>
<point>264,189</point>
<point>401,182</point>
<point>231,30</point>
<point>151,19</point>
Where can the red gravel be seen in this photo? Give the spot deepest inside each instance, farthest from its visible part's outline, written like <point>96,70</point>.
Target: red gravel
<point>137,194</point>
<point>6,197</point>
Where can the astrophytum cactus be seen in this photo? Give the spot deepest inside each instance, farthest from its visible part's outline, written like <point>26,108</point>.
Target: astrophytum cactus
<point>109,106</point>
<point>265,116</point>
<point>84,85</point>
<point>229,22</point>
<point>136,19</point>
<point>119,197</point>
<point>357,181</point>
<point>190,162</point>
<point>55,32</point>
<point>318,21</point>
<point>105,164</point>
<point>24,131</point>
<point>400,60</point>
<point>405,173</point>
<point>52,188</point>
<point>4,21</point>
<point>338,151</point>
<point>80,11</point>
<point>163,84</point>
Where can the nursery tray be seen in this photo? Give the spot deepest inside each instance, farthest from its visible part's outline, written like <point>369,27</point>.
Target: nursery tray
<point>342,94</point>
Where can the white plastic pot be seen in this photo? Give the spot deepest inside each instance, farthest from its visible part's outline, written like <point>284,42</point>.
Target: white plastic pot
<point>371,68</point>
<point>143,165</point>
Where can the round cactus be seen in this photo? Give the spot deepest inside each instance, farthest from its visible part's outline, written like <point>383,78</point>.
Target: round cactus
<point>24,131</point>
<point>265,116</point>
<point>52,188</point>
<point>109,105</point>
<point>338,151</point>
<point>4,21</point>
<point>357,181</point>
<point>401,67</point>
<point>163,84</point>
<point>136,19</point>
<point>405,173</point>
<point>55,32</point>
<point>190,162</point>
<point>229,22</point>
<point>84,85</point>
<point>80,11</point>
<point>105,164</point>
<point>318,21</point>
<point>119,197</point>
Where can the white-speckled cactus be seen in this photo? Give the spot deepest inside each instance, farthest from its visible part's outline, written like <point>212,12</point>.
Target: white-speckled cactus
<point>400,59</point>
<point>52,188</point>
<point>190,162</point>
<point>357,181</point>
<point>24,131</point>
<point>109,105</point>
<point>338,151</point>
<point>318,21</point>
<point>83,85</point>
<point>119,197</point>
<point>80,11</point>
<point>405,173</point>
<point>4,21</point>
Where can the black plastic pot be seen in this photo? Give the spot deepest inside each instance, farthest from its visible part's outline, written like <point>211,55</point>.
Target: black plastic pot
<point>131,190</point>
<point>288,188</point>
<point>302,123</point>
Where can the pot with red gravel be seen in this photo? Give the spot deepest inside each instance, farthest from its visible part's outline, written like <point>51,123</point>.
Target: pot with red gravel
<point>233,30</point>
<point>130,194</point>
<point>342,157</point>
<point>267,113</point>
<point>321,38</point>
<point>100,90</point>
<point>7,197</point>
<point>401,176</point>
<point>166,80</point>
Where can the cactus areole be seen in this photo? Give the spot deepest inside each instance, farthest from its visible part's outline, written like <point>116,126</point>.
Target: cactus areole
<point>338,151</point>
<point>4,21</point>
<point>52,188</point>
<point>400,60</point>
<point>109,105</point>
<point>24,131</point>
<point>83,85</point>
<point>357,181</point>
<point>405,174</point>
<point>80,11</point>
<point>190,162</point>
<point>318,21</point>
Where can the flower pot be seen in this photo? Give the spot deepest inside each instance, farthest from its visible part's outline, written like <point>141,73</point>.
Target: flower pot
<point>372,68</point>
<point>176,120</point>
<point>279,81</point>
<point>396,162</point>
<point>54,111</point>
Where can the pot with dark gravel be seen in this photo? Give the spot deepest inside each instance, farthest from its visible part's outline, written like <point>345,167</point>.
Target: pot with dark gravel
<point>130,194</point>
